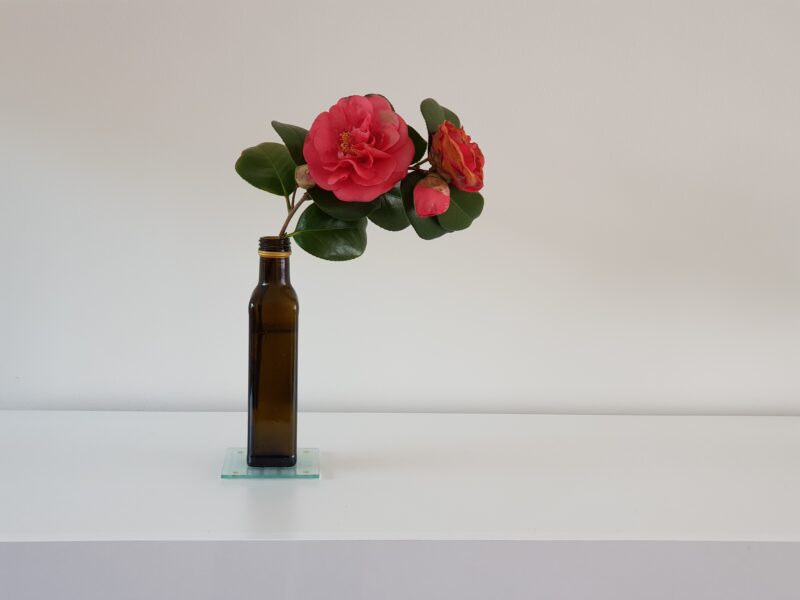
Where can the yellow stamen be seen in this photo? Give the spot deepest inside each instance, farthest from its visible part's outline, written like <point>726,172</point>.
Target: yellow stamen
<point>344,142</point>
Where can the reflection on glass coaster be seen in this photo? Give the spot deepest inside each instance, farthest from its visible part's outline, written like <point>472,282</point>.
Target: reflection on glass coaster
<point>236,467</point>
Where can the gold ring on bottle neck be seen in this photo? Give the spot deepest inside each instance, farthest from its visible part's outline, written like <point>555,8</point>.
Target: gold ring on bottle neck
<point>266,254</point>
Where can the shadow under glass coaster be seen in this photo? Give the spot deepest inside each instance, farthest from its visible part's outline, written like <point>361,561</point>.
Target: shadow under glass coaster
<point>236,466</point>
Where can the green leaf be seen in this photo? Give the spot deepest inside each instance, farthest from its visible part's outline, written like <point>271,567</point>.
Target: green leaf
<point>454,218</point>
<point>344,211</point>
<point>390,214</point>
<point>331,239</point>
<point>433,114</point>
<point>464,208</point>
<point>427,228</point>
<point>420,145</point>
<point>268,167</point>
<point>294,137</point>
<point>451,116</point>
<point>470,202</point>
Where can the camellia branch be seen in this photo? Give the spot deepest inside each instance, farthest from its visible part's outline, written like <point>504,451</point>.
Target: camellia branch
<point>291,214</point>
<point>351,151</point>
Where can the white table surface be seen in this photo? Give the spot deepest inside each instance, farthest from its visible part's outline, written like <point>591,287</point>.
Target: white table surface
<point>88,476</point>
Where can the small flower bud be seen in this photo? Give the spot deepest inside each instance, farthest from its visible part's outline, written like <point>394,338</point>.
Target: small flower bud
<point>431,196</point>
<point>303,177</point>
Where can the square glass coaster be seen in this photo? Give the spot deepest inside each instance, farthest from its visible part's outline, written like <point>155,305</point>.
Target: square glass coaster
<point>236,466</point>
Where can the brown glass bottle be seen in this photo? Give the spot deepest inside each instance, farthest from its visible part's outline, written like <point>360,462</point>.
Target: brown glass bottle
<point>272,390</point>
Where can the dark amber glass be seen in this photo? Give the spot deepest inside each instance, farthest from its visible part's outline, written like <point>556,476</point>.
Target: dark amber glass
<point>272,390</point>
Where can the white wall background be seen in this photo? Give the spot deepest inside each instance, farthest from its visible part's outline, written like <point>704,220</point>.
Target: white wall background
<point>638,251</point>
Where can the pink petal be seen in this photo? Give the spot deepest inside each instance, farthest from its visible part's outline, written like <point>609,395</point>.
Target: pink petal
<point>348,191</point>
<point>431,201</point>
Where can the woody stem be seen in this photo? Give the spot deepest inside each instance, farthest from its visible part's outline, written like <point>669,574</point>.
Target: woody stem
<point>291,214</point>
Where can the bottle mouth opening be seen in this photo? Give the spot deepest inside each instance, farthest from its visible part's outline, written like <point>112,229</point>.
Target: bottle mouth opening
<point>274,243</point>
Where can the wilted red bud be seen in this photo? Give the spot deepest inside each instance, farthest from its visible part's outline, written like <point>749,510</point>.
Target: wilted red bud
<point>457,157</point>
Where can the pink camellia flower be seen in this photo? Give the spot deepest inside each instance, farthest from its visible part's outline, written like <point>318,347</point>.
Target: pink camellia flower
<point>431,196</point>
<point>457,158</point>
<point>358,149</point>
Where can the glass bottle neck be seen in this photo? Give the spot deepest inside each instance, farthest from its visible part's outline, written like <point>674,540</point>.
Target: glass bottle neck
<point>274,252</point>
<point>274,270</point>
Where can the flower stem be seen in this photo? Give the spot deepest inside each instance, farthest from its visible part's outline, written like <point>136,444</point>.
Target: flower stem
<point>291,214</point>
<point>294,193</point>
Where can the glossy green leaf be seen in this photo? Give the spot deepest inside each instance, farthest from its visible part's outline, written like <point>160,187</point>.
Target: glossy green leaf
<point>420,145</point>
<point>451,116</point>
<point>464,208</point>
<point>427,228</point>
<point>390,214</point>
<point>331,239</point>
<point>433,114</point>
<point>344,211</point>
<point>294,137</point>
<point>269,167</point>
<point>454,218</point>
<point>470,202</point>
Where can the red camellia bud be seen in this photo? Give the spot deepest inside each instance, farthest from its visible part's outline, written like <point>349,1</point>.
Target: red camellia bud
<point>457,158</point>
<point>431,196</point>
